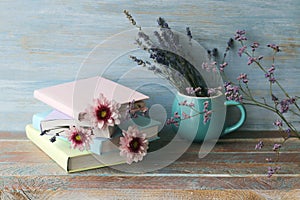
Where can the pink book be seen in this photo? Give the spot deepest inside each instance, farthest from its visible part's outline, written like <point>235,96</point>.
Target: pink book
<point>73,97</point>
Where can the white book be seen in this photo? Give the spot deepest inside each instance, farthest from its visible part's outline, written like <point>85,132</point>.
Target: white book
<point>148,126</point>
<point>55,121</point>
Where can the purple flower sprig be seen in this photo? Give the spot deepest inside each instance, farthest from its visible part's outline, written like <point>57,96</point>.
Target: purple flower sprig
<point>280,104</point>
<point>276,148</point>
<point>232,92</point>
<point>177,117</point>
<point>259,145</point>
<point>133,109</point>
<point>272,170</point>
<point>242,92</point>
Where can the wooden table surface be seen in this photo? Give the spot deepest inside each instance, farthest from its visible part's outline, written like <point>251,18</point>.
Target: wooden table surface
<point>233,170</point>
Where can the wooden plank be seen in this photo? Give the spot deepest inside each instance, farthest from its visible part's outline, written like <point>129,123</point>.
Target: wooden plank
<point>18,151</point>
<point>217,158</point>
<point>150,182</point>
<point>151,195</point>
<point>13,135</point>
<point>253,134</point>
<point>228,145</point>
<point>187,169</point>
<point>234,145</point>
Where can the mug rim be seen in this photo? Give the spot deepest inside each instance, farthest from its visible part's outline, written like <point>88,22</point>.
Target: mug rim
<point>219,94</point>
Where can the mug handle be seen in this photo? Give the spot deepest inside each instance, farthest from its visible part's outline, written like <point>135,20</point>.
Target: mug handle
<point>242,118</point>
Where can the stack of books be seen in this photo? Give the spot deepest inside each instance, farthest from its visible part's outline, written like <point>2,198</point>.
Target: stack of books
<point>67,101</point>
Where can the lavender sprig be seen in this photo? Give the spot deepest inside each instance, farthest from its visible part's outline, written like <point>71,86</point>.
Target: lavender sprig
<point>131,19</point>
<point>178,117</point>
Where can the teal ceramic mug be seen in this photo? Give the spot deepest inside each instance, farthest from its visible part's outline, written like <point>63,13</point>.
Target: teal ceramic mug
<point>194,127</point>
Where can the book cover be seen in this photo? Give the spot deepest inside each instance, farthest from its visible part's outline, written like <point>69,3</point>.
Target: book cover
<point>71,160</point>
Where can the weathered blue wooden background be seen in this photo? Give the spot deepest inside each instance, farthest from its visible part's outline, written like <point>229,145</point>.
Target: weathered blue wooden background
<point>44,43</point>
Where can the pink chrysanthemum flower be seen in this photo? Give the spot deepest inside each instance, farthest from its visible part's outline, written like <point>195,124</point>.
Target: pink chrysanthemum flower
<point>80,138</point>
<point>104,113</point>
<point>133,145</point>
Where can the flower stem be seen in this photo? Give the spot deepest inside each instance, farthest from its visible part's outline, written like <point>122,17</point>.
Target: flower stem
<point>277,82</point>
<point>266,106</point>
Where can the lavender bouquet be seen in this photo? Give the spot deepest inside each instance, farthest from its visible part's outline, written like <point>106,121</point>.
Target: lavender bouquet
<point>172,56</point>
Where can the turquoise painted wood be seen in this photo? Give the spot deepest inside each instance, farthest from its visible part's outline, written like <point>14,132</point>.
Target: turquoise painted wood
<point>44,43</point>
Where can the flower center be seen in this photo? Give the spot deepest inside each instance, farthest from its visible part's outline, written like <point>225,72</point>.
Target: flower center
<point>103,113</point>
<point>134,145</point>
<point>78,137</point>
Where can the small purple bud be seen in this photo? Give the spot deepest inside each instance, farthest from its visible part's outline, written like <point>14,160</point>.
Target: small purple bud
<point>276,147</point>
<point>259,145</point>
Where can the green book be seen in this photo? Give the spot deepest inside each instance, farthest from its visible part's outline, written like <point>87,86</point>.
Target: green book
<point>71,160</point>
